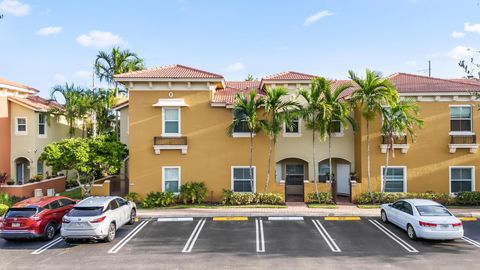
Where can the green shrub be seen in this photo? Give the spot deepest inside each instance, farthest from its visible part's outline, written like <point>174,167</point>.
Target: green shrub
<point>5,199</point>
<point>232,198</point>
<point>38,178</point>
<point>390,197</point>
<point>134,197</point>
<point>325,197</point>
<point>193,192</point>
<point>468,198</point>
<point>3,209</point>
<point>159,199</point>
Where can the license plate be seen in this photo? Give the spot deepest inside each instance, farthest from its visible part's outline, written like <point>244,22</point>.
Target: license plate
<point>15,224</point>
<point>444,226</point>
<point>79,224</point>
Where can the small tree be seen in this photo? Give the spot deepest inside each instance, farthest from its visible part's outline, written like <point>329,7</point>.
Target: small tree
<point>88,157</point>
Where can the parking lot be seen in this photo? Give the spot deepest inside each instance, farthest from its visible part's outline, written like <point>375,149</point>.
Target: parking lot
<point>253,243</point>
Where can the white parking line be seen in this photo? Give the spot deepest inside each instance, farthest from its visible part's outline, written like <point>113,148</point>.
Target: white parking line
<point>175,219</point>
<point>259,234</point>
<point>193,237</point>
<point>285,218</point>
<point>47,246</point>
<point>127,238</point>
<point>393,236</point>
<point>471,241</point>
<point>326,236</point>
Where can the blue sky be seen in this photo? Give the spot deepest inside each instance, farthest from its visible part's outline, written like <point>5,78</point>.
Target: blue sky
<point>44,43</point>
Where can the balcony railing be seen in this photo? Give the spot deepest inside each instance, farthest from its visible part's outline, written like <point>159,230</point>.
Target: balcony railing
<point>399,142</point>
<point>396,139</point>
<point>463,139</point>
<point>169,140</point>
<point>170,143</point>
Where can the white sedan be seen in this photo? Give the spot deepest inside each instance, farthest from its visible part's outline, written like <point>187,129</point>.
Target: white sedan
<point>97,218</point>
<point>423,219</point>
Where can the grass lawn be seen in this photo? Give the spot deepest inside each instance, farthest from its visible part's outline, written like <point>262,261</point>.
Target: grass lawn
<point>73,194</point>
<point>368,206</point>
<point>325,206</point>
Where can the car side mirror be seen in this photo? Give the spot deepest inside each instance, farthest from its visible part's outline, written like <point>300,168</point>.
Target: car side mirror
<point>390,204</point>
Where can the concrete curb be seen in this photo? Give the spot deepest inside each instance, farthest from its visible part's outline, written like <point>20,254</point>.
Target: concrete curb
<point>222,214</point>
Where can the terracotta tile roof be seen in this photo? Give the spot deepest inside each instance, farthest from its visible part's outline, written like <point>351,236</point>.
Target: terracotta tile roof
<point>227,95</point>
<point>37,103</point>
<point>410,83</point>
<point>288,76</point>
<point>17,85</point>
<point>470,81</point>
<point>172,71</point>
<point>242,84</point>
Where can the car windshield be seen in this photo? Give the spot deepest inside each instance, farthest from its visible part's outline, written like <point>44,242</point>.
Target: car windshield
<point>433,210</point>
<point>20,212</point>
<point>85,211</point>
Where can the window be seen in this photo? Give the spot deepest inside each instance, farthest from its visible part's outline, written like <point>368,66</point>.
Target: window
<point>40,167</point>
<point>407,208</point>
<point>66,202</point>
<point>112,205</point>
<point>241,127</point>
<point>461,179</point>
<point>21,126</point>
<point>323,172</point>
<point>54,205</point>
<point>461,118</point>
<point>395,180</point>
<point>294,174</point>
<point>171,121</point>
<point>294,128</point>
<point>171,179</point>
<point>241,180</point>
<point>337,127</point>
<point>121,202</point>
<point>42,127</point>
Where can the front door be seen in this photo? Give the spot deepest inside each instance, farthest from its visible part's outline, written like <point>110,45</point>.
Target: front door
<point>20,173</point>
<point>343,179</point>
<point>294,174</point>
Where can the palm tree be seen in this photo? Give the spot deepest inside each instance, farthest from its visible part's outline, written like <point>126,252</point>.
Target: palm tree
<point>245,113</point>
<point>279,112</point>
<point>116,62</point>
<point>75,106</point>
<point>310,113</point>
<point>334,109</point>
<point>398,120</point>
<point>370,94</point>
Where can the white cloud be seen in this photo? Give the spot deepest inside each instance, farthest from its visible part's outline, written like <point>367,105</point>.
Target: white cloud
<point>235,67</point>
<point>99,39</point>
<point>472,27</point>
<point>15,8</point>
<point>59,78</point>
<point>456,34</point>
<point>49,30</point>
<point>411,63</point>
<point>317,16</point>
<point>460,52</point>
<point>83,74</point>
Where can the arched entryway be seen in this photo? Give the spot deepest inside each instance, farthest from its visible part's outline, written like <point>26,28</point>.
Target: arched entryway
<point>341,170</point>
<point>293,171</point>
<point>22,170</point>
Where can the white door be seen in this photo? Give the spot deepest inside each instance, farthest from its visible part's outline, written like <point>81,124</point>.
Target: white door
<point>343,178</point>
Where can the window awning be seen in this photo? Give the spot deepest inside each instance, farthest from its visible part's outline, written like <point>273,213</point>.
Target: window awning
<point>170,102</point>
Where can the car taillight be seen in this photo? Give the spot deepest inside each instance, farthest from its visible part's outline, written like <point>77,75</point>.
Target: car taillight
<point>457,224</point>
<point>35,217</point>
<point>427,224</point>
<point>98,220</point>
<point>64,220</point>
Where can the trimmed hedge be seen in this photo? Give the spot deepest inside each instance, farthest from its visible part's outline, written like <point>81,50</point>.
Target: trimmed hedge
<point>462,198</point>
<point>193,192</point>
<point>325,197</point>
<point>3,209</point>
<point>239,198</point>
<point>159,199</point>
<point>134,197</point>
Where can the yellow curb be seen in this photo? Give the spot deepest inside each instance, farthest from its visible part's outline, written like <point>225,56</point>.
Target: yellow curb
<point>136,220</point>
<point>468,218</point>
<point>342,218</point>
<point>230,218</point>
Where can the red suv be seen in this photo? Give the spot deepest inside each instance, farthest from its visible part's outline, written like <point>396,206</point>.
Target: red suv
<point>35,218</point>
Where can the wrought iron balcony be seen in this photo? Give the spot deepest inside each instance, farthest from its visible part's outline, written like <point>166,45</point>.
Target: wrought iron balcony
<point>468,141</point>
<point>399,142</point>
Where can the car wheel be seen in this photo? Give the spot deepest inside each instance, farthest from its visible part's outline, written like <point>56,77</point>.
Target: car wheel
<point>384,217</point>
<point>111,232</point>
<point>68,240</point>
<point>411,232</point>
<point>49,232</point>
<point>133,214</point>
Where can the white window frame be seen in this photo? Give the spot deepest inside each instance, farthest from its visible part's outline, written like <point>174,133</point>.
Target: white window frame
<point>254,188</point>
<point>382,168</point>
<point>17,132</point>
<point>179,133</point>
<point>471,120</point>
<point>293,134</point>
<point>338,134</point>
<point>179,177</point>
<point>460,167</point>
<point>241,134</point>
<point>44,124</point>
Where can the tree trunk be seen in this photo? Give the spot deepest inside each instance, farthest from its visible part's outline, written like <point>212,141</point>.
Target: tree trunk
<point>94,124</point>
<point>315,177</point>
<point>251,162</point>
<point>330,167</point>
<point>368,159</point>
<point>268,166</point>
<point>385,169</point>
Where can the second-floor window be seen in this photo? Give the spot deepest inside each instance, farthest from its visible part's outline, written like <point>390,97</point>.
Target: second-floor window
<point>21,126</point>
<point>294,128</point>
<point>460,118</point>
<point>171,121</point>
<point>336,126</point>
<point>42,125</point>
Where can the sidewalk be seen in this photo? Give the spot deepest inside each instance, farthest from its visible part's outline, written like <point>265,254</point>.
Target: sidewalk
<point>294,210</point>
